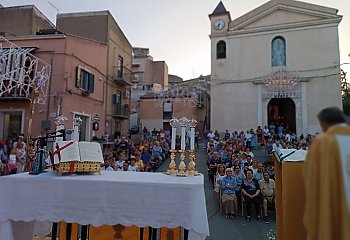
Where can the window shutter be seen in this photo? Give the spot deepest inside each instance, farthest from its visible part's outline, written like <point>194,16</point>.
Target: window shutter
<point>91,83</point>
<point>114,98</point>
<point>78,78</point>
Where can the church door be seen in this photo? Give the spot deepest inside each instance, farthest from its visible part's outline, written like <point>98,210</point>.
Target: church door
<point>282,111</point>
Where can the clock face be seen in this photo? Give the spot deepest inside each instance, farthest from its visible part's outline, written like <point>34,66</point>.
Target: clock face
<point>219,24</point>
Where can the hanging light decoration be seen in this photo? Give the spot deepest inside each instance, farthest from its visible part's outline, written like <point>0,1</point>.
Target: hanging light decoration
<point>282,81</point>
<point>187,95</point>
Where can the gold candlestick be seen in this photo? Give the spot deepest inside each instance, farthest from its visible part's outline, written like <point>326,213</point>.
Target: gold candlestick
<point>182,165</point>
<point>172,166</point>
<point>192,165</point>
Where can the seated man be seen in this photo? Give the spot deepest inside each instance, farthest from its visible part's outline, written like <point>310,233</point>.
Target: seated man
<point>125,167</point>
<point>251,192</point>
<point>267,187</point>
<point>146,159</point>
<point>107,166</point>
<point>259,173</point>
<point>157,152</point>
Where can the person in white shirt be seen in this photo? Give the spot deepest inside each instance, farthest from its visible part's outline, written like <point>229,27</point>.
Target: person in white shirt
<point>248,138</point>
<point>288,138</point>
<point>254,167</point>
<point>266,133</point>
<point>133,167</point>
<point>107,165</point>
<point>248,152</point>
<point>211,135</point>
<point>119,164</point>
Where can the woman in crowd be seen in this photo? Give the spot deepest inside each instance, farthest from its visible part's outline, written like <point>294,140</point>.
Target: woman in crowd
<point>219,176</point>
<point>229,200</point>
<point>13,158</point>
<point>20,149</point>
<point>139,161</point>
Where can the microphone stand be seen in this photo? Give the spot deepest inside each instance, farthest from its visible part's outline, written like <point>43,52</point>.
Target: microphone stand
<point>40,146</point>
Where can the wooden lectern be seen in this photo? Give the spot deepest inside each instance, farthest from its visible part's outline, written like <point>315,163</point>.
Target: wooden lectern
<point>290,194</point>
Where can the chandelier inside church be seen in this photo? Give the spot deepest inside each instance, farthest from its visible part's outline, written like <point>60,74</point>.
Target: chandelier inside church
<point>282,81</point>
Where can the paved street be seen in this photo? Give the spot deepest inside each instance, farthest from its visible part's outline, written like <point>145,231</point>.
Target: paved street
<point>220,227</point>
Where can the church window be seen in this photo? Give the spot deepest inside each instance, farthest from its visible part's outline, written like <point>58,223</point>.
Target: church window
<point>221,49</point>
<point>278,52</point>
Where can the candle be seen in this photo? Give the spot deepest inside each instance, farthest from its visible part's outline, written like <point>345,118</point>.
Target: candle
<point>183,137</point>
<point>192,139</point>
<point>173,138</point>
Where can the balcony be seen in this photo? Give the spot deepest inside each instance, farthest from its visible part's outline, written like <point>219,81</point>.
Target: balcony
<point>123,76</point>
<point>16,94</point>
<point>121,112</point>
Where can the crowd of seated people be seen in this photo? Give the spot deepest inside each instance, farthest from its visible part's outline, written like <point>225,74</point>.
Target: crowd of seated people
<point>237,176</point>
<point>147,155</point>
<point>13,154</point>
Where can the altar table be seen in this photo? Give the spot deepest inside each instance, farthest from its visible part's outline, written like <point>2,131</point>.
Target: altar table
<point>127,198</point>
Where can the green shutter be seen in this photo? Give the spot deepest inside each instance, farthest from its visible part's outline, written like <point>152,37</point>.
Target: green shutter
<point>91,83</point>
<point>78,78</point>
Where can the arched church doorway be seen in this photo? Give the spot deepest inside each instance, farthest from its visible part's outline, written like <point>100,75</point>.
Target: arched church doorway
<point>282,111</point>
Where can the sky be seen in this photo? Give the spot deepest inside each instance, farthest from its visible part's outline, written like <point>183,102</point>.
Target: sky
<point>177,31</point>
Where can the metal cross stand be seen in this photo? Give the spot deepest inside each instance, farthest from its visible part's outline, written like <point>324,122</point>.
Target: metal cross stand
<point>41,144</point>
<point>183,123</point>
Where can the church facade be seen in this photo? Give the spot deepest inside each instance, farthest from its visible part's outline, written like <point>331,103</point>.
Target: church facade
<point>278,63</point>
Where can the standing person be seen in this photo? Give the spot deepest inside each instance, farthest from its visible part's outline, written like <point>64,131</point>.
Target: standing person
<point>20,149</point>
<point>13,158</point>
<point>229,200</point>
<point>266,133</point>
<point>251,194</point>
<point>213,165</point>
<point>259,133</point>
<point>196,139</point>
<point>145,132</point>
<point>248,139</point>
<point>326,214</point>
<point>272,128</point>
<point>227,135</point>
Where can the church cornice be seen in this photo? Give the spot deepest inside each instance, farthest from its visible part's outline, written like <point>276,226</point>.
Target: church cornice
<point>286,26</point>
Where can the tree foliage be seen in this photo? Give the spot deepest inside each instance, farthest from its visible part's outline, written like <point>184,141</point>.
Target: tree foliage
<point>345,87</point>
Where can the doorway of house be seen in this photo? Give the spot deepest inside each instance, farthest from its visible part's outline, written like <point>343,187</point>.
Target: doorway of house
<point>11,123</point>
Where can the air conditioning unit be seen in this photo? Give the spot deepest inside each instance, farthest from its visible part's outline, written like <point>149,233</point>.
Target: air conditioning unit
<point>126,94</point>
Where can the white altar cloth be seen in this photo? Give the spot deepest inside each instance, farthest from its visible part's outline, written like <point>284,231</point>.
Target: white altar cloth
<point>127,198</point>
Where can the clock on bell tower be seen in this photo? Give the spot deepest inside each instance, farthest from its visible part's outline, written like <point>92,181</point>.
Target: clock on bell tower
<point>220,19</point>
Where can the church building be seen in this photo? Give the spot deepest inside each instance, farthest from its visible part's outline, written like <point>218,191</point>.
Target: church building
<point>277,63</point>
